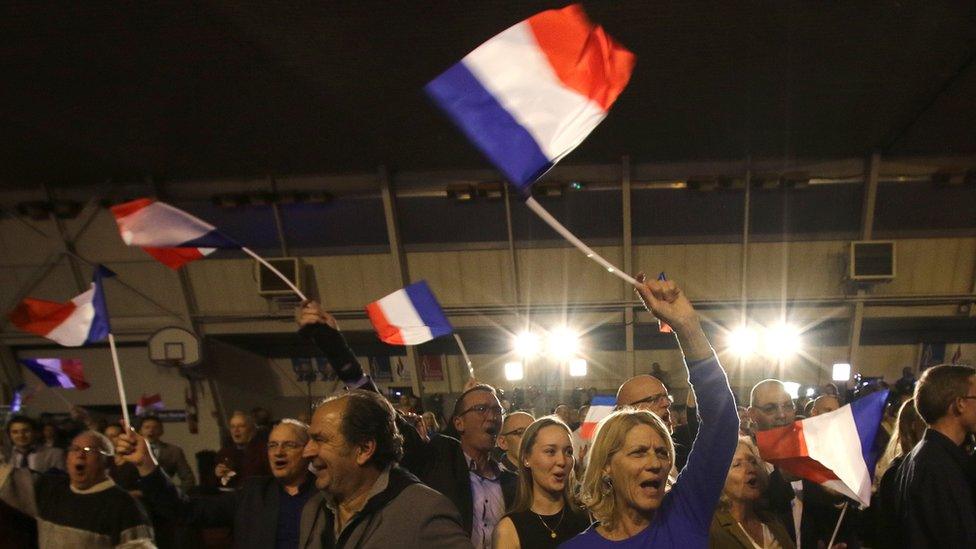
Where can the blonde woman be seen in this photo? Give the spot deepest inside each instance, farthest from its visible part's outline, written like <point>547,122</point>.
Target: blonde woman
<point>738,523</point>
<point>544,513</point>
<point>632,453</point>
<point>908,430</point>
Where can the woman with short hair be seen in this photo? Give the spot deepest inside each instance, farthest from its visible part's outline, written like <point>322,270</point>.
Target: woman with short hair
<point>739,522</point>
<point>544,513</point>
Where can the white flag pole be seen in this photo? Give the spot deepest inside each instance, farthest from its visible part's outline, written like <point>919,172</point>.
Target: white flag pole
<point>837,528</point>
<point>283,278</point>
<point>118,381</point>
<point>464,353</point>
<point>571,238</point>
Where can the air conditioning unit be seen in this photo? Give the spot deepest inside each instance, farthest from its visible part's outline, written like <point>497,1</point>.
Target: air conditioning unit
<point>269,284</point>
<point>871,260</point>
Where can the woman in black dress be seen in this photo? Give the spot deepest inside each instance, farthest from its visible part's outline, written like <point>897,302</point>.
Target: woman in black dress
<point>545,513</point>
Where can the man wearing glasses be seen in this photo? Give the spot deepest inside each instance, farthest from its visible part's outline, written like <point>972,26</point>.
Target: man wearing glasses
<point>463,470</point>
<point>280,511</point>
<point>83,509</point>
<point>511,438</point>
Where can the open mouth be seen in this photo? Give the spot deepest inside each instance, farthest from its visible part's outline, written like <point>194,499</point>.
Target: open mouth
<point>280,463</point>
<point>492,430</point>
<point>79,468</point>
<point>752,482</point>
<point>652,484</point>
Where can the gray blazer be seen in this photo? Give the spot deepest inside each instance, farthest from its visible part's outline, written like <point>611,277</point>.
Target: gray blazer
<point>173,461</point>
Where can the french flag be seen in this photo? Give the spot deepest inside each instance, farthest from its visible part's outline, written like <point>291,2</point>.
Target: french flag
<point>78,322</point>
<point>409,316</point>
<point>169,234</point>
<point>149,404</point>
<point>833,449</point>
<point>66,373</point>
<point>530,95</point>
<point>600,407</point>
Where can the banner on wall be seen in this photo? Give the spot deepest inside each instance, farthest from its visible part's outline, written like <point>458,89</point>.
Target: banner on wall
<point>432,367</point>
<point>933,354</point>
<point>380,369</point>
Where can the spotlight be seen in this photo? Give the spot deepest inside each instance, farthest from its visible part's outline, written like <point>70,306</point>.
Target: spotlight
<point>514,371</point>
<point>526,344</point>
<point>743,341</point>
<point>842,372</point>
<point>563,343</point>
<point>577,367</point>
<point>782,341</point>
<point>793,388</point>
<point>811,391</point>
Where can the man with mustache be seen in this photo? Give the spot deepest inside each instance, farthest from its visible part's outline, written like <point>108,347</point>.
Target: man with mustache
<point>281,511</point>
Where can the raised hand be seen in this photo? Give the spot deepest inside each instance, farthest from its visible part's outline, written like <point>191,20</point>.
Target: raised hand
<point>665,300</point>
<point>311,312</point>
<point>132,447</point>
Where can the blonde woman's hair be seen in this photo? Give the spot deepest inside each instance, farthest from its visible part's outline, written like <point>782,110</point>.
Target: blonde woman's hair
<point>908,430</point>
<point>723,501</point>
<point>526,486</point>
<point>610,434</point>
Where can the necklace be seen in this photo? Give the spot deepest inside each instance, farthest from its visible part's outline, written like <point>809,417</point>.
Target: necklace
<point>552,531</point>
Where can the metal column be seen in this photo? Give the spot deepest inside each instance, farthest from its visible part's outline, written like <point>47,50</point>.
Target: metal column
<point>871,168</point>
<point>628,253</point>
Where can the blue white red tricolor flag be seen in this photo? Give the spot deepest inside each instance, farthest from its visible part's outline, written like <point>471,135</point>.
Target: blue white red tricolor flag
<point>409,316</point>
<point>169,234</point>
<point>80,321</point>
<point>66,373</point>
<point>530,95</point>
<point>600,407</point>
<point>833,449</point>
<point>149,403</point>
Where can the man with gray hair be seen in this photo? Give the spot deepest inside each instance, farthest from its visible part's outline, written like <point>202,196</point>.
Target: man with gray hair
<point>282,510</point>
<point>84,509</point>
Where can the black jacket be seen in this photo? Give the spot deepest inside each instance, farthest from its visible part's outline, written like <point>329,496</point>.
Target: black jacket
<point>252,510</point>
<point>930,495</point>
<point>446,470</point>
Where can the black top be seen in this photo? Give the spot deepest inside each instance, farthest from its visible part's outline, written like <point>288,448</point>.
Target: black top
<point>532,533</point>
<point>930,495</point>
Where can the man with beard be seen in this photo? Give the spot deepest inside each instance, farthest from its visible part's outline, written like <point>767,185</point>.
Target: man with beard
<point>282,510</point>
<point>84,508</point>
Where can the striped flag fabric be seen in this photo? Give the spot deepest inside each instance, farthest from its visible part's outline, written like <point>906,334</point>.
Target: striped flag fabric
<point>78,322</point>
<point>66,373</point>
<point>172,236</point>
<point>149,403</point>
<point>833,449</point>
<point>600,407</point>
<point>530,95</point>
<point>409,316</point>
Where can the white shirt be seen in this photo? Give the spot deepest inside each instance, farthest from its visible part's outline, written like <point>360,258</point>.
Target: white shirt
<point>488,504</point>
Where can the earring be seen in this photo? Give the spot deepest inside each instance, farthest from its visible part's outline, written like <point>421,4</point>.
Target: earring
<point>607,485</point>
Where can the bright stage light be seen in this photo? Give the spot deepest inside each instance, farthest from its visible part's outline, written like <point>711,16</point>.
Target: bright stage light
<point>743,341</point>
<point>526,344</point>
<point>514,371</point>
<point>563,343</point>
<point>842,372</point>
<point>811,391</point>
<point>577,367</point>
<point>792,388</point>
<point>782,341</point>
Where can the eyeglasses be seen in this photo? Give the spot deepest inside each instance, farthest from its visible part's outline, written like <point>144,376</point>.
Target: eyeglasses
<point>773,408</point>
<point>515,432</point>
<point>654,399</point>
<point>287,445</point>
<point>87,450</point>
<point>483,409</point>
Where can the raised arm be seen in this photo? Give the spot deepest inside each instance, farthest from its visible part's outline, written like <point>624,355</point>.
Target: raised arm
<point>701,481</point>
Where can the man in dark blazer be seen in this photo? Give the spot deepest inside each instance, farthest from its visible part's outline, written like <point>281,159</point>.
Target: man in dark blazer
<point>282,510</point>
<point>929,499</point>
<point>170,456</point>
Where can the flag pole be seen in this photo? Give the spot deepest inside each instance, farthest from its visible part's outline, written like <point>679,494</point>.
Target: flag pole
<point>837,528</point>
<point>118,381</point>
<point>571,238</point>
<point>283,278</point>
<point>64,399</point>
<point>464,353</point>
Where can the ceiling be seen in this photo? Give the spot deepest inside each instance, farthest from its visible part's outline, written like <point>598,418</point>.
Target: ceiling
<point>181,90</point>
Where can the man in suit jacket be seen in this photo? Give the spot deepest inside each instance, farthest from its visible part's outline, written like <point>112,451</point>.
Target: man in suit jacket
<point>169,456</point>
<point>23,433</point>
<point>282,510</point>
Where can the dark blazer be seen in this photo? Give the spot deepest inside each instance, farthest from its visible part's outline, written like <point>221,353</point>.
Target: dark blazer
<point>725,533</point>
<point>173,461</point>
<point>930,495</point>
<point>252,510</point>
<point>444,468</point>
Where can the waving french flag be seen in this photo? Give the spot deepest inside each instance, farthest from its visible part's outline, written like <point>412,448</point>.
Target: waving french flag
<point>66,373</point>
<point>600,407</point>
<point>833,449</point>
<point>78,322</point>
<point>169,234</point>
<point>409,316</point>
<point>530,95</point>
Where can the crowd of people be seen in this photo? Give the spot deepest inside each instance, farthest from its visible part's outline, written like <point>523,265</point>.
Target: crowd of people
<point>362,473</point>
